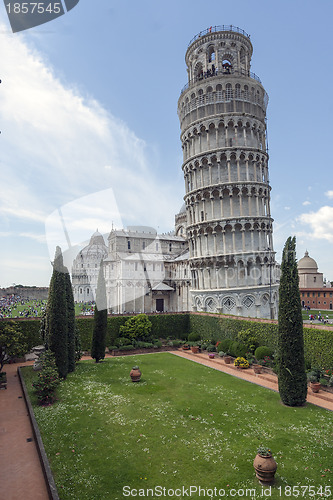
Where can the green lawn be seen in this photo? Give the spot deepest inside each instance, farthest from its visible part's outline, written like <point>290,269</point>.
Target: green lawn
<point>315,312</point>
<point>184,424</point>
<point>80,309</point>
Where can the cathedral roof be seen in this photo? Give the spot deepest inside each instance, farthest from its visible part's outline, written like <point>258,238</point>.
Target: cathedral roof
<point>183,209</point>
<point>162,287</point>
<point>307,264</point>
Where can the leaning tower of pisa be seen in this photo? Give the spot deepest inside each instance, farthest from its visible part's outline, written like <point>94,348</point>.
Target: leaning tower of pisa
<point>222,113</point>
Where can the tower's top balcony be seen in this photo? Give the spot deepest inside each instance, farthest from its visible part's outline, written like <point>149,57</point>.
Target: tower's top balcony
<point>214,29</point>
<point>226,70</point>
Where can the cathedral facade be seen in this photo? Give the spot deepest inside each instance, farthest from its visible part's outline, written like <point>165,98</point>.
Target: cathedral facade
<point>220,257</point>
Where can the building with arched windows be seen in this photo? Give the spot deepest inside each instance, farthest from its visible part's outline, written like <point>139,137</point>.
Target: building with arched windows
<point>222,113</point>
<point>220,258</point>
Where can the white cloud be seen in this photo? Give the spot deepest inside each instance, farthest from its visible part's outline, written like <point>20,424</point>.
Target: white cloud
<point>320,223</point>
<point>56,144</point>
<point>306,203</point>
<point>59,146</point>
<point>329,194</point>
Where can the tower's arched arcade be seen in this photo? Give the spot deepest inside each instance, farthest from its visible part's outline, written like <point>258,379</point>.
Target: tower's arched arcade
<point>222,113</point>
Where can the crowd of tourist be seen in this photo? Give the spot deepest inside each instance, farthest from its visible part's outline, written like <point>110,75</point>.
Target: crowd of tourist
<point>17,307</point>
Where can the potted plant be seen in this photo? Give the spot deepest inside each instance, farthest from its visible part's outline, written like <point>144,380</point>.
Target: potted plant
<point>241,362</point>
<point>194,347</point>
<point>185,347</point>
<point>264,465</point>
<point>227,359</point>
<point>314,377</point>
<point>135,374</point>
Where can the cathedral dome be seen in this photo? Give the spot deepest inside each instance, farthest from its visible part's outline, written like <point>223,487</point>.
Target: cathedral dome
<point>96,249</point>
<point>307,264</point>
<point>97,239</point>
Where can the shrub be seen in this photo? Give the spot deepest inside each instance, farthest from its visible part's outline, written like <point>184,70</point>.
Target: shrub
<point>137,328</point>
<point>126,347</point>
<point>113,348</point>
<point>224,345</point>
<point>267,361</point>
<point>323,381</point>
<point>330,382</point>
<point>263,351</point>
<point>157,343</point>
<point>237,349</point>
<point>211,348</point>
<point>177,343</point>
<point>194,337</point>
<point>47,379</point>
<point>121,341</point>
<point>249,339</point>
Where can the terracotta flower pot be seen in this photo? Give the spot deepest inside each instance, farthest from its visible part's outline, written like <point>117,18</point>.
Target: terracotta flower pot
<point>227,360</point>
<point>195,349</point>
<point>265,468</point>
<point>211,355</point>
<point>135,374</point>
<point>315,386</point>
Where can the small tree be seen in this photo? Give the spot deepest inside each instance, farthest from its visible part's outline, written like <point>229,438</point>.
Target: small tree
<point>100,319</point>
<point>11,341</point>
<point>56,328</point>
<point>47,379</point>
<point>70,321</point>
<point>137,328</point>
<point>290,356</point>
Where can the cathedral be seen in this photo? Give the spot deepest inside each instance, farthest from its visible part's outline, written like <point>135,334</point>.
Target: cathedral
<point>220,256</point>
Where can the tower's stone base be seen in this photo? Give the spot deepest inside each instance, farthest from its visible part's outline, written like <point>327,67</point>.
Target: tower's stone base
<point>252,302</point>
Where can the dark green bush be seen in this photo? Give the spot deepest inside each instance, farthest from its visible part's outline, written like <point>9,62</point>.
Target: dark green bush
<point>224,345</point>
<point>194,337</point>
<point>263,351</point>
<point>237,349</point>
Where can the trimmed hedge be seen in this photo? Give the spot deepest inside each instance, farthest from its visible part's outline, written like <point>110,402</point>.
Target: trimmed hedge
<point>30,329</point>
<point>318,343</point>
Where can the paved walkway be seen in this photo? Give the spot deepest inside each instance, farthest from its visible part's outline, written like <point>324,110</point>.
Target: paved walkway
<point>268,380</point>
<point>21,475</point>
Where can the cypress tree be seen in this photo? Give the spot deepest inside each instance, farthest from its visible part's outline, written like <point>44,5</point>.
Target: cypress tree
<point>290,359</point>
<point>100,319</point>
<point>70,321</point>
<point>57,316</point>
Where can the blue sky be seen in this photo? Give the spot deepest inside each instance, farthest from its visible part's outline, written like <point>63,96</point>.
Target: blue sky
<point>90,133</point>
